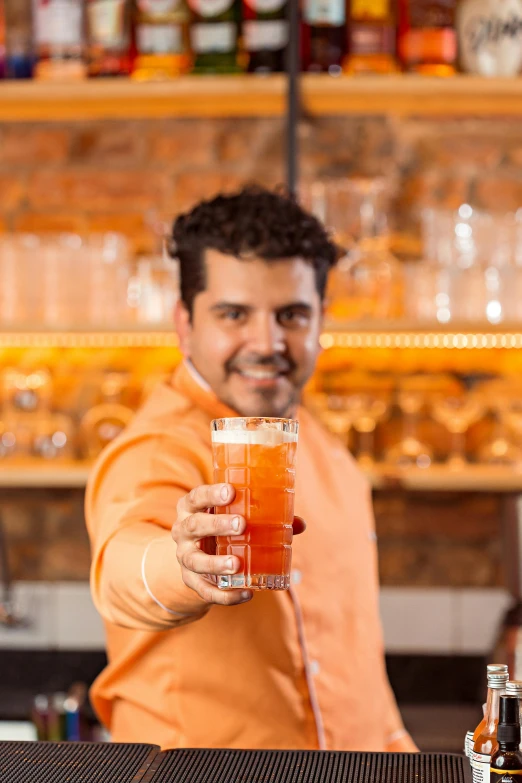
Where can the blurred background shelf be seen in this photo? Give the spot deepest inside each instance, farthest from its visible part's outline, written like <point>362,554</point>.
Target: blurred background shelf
<point>254,96</point>
<point>354,334</point>
<point>475,478</point>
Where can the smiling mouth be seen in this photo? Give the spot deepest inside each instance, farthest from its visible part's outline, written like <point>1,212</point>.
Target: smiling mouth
<point>261,374</point>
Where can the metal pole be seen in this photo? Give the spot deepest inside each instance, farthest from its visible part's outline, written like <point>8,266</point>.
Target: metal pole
<point>293,63</point>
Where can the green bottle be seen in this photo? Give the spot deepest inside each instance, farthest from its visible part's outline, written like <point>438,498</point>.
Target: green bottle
<point>506,761</point>
<point>214,35</point>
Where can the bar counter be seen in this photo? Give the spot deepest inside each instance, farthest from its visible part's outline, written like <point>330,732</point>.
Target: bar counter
<point>117,763</point>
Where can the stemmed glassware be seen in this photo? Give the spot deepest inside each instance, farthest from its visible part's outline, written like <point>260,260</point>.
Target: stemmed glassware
<point>457,413</point>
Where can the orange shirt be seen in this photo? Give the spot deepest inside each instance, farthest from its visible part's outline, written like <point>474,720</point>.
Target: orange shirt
<point>297,669</point>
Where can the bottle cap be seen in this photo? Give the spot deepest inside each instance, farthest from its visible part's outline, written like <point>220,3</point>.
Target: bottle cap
<point>514,688</point>
<point>509,721</point>
<point>497,680</point>
<point>497,667</point>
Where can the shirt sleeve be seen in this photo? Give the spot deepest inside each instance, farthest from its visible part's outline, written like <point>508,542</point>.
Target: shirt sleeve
<point>130,508</point>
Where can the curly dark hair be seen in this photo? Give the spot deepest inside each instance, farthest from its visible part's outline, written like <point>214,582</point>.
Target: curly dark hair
<point>252,223</point>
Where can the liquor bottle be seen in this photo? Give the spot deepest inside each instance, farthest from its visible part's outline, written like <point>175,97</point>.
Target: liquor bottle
<point>514,688</point>
<point>59,39</point>
<point>490,36</point>
<point>19,42</point>
<point>214,35</point>
<point>371,37</point>
<point>506,761</point>
<point>485,742</point>
<point>108,37</point>
<point>324,36</point>
<point>265,34</point>
<point>427,36</point>
<point>162,40</point>
<point>471,736</point>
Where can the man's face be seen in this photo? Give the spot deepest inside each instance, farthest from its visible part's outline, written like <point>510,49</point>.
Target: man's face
<point>254,335</point>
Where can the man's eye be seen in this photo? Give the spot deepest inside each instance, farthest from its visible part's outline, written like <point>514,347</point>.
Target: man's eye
<point>232,315</point>
<point>293,318</point>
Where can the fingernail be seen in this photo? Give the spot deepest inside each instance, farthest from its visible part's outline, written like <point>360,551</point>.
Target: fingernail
<point>245,595</point>
<point>224,493</point>
<point>230,564</point>
<point>236,522</point>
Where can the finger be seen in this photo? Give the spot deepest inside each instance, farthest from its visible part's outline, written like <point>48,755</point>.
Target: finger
<point>200,563</point>
<point>201,525</point>
<point>299,526</point>
<point>213,595</point>
<point>205,496</point>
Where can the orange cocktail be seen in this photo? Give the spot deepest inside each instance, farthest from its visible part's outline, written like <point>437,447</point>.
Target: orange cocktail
<point>257,456</point>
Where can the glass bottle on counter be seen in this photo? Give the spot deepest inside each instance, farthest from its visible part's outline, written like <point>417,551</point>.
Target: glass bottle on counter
<point>59,39</point>
<point>427,36</point>
<point>19,42</point>
<point>486,731</point>
<point>105,421</point>
<point>108,37</point>
<point>162,40</point>
<point>514,688</point>
<point>471,736</point>
<point>324,36</point>
<point>371,37</point>
<point>490,37</point>
<point>506,761</point>
<point>265,34</point>
<point>214,35</point>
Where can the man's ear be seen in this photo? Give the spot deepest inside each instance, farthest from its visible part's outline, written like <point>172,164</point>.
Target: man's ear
<point>183,327</point>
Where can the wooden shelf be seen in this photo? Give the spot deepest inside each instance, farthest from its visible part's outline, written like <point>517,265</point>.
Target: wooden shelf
<point>37,476</point>
<point>258,96</point>
<point>438,478</point>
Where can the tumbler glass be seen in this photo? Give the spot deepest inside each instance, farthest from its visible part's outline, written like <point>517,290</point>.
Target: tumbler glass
<point>257,456</point>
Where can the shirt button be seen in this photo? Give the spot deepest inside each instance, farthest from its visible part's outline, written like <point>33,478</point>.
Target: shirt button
<point>314,668</point>
<point>297,576</point>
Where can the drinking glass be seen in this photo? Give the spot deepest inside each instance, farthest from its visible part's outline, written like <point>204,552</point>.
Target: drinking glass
<point>368,410</point>
<point>410,450</point>
<point>257,456</point>
<point>457,414</point>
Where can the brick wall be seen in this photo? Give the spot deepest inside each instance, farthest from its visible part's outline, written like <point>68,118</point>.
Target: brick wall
<point>108,175</point>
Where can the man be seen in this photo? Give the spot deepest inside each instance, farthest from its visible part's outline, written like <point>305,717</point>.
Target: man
<point>189,664</point>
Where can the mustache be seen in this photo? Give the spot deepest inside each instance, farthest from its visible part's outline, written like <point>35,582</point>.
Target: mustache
<point>275,361</point>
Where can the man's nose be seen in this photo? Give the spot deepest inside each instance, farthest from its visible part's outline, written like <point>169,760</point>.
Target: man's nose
<point>266,336</point>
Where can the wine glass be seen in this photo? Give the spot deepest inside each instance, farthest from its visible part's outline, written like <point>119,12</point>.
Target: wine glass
<point>368,410</point>
<point>457,414</point>
<point>410,451</point>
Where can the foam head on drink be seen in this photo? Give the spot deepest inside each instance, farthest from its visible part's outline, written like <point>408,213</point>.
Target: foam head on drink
<point>260,463</point>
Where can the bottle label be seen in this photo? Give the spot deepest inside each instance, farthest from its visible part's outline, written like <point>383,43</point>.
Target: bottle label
<point>265,6</point>
<point>210,38</point>
<point>370,9</point>
<point>367,39</point>
<point>267,36</point>
<point>480,767</point>
<point>106,22</point>
<point>210,8</point>
<point>468,744</point>
<point>58,22</point>
<point>506,775</point>
<point>426,14</point>
<point>159,38</point>
<point>157,7</point>
<point>330,12</point>
<point>490,33</point>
